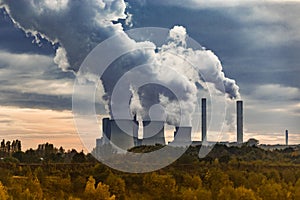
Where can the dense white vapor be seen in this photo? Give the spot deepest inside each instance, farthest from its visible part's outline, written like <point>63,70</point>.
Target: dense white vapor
<point>135,102</point>
<point>177,70</point>
<point>205,63</point>
<point>61,59</point>
<point>79,27</point>
<point>76,25</point>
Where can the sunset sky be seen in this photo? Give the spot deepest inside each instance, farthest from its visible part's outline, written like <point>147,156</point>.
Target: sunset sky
<point>43,44</point>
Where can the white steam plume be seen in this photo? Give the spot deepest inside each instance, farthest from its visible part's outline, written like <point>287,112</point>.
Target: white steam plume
<point>79,26</point>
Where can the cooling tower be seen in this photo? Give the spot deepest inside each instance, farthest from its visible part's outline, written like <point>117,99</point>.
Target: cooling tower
<point>204,121</point>
<point>239,121</point>
<point>182,136</point>
<point>153,133</point>
<point>122,133</point>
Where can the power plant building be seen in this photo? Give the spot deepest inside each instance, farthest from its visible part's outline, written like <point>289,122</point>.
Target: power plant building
<point>182,136</point>
<point>123,133</point>
<point>153,133</point>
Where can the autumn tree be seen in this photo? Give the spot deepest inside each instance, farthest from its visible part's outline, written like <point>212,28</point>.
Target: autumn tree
<point>102,192</point>
<point>297,189</point>
<point>26,188</point>
<point>215,179</point>
<point>271,190</point>
<point>160,186</point>
<point>230,193</point>
<point>195,194</point>
<point>3,192</point>
<point>116,186</point>
<point>99,193</point>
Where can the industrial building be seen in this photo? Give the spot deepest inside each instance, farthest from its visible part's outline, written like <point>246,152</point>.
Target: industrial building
<point>124,133</point>
<point>182,136</point>
<point>153,133</point>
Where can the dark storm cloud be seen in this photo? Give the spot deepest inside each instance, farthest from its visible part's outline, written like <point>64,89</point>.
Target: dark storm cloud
<point>32,80</point>
<point>253,49</point>
<point>33,100</point>
<point>14,40</point>
<point>78,27</point>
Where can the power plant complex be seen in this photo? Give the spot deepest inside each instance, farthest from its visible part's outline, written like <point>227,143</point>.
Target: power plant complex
<point>124,133</point>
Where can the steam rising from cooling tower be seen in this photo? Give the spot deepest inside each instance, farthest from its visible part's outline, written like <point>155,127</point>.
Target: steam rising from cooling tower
<point>77,27</point>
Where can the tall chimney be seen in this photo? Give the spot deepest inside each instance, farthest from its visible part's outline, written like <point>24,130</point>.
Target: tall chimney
<point>286,137</point>
<point>135,130</point>
<point>239,120</point>
<point>204,122</point>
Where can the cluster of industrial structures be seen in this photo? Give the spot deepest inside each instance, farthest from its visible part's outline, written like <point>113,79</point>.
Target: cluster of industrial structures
<point>124,133</point>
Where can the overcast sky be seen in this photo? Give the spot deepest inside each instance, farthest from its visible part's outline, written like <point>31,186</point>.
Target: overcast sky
<point>43,44</point>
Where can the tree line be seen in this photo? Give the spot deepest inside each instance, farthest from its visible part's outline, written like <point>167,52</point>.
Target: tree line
<point>233,173</point>
<point>7,147</point>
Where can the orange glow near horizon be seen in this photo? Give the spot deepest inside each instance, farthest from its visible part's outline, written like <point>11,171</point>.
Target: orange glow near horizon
<point>38,126</point>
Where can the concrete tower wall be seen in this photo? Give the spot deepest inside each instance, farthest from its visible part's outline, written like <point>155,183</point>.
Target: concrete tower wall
<point>182,136</point>
<point>153,133</point>
<point>122,133</point>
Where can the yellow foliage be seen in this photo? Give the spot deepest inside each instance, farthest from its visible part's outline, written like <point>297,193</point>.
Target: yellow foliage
<point>3,192</point>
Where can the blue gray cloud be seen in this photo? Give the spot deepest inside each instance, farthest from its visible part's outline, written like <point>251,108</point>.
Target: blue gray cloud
<point>258,46</point>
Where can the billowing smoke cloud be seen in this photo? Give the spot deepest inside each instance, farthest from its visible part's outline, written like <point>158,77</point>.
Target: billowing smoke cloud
<point>76,25</point>
<point>172,72</point>
<point>177,69</point>
<point>205,62</point>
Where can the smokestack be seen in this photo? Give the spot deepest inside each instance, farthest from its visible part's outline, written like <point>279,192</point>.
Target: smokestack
<point>135,130</point>
<point>286,137</point>
<point>204,123</point>
<point>239,119</point>
<point>106,128</point>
